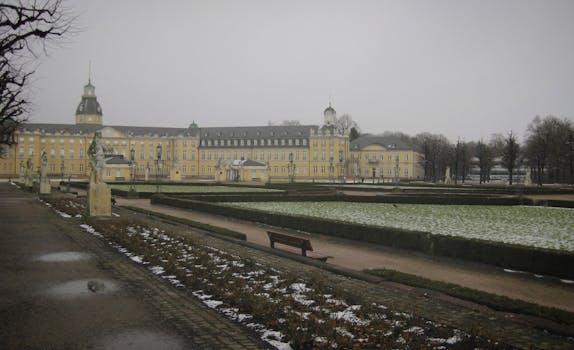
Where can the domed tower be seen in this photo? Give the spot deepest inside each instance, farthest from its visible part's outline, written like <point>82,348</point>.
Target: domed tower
<point>89,110</point>
<point>329,116</point>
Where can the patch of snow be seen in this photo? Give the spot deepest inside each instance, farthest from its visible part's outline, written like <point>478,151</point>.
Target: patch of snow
<point>300,288</point>
<point>567,281</point>
<point>335,302</point>
<point>62,214</point>
<point>454,339</point>
<point>345,333</point>
<point>416,330</point>
<point>90,229</point>
<point>348,315</point>
<point>137,259</point>
<point>157,270</point>
<point>320,340</point>
<point>212,303</point>
<point>274,338</point>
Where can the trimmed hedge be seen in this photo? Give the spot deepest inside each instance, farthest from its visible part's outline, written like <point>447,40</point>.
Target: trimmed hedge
<point>398,199</point>
<point>214,229</point>
<point>494,301</point>
<point>536,260</point>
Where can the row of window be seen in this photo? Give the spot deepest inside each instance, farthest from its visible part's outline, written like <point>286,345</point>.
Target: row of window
<point>221,155</point>
<point>72,140</point>
<point>57,168</point>
<point>52,153</point>
<point>368,172</point>
<point>255,142</point>
<point>374,156</point>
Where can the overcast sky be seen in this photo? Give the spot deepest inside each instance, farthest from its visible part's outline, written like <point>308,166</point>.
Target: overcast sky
<point>461,68</point>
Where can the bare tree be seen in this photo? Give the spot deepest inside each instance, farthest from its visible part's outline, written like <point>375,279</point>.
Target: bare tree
<point>345,123</point>
<point>548,149</point>
<point>26,30</point>
<point>485,157</point>
<point>291,122</point>
<point>510,154</point>
<point>437,155</point>
<point>354,134</point>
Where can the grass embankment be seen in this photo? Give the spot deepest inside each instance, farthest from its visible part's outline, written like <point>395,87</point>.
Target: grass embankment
<point>494,301</point>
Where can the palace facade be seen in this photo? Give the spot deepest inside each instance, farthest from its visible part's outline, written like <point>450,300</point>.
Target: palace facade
<point>301,152</point>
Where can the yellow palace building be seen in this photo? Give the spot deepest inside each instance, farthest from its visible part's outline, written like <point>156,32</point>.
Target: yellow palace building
<point>250,153</point>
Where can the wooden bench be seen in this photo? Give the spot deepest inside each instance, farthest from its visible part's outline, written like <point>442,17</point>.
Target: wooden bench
<point>292,241</point>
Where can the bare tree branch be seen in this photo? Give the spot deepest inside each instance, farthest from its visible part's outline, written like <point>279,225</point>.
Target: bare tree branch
<point>26,28</point>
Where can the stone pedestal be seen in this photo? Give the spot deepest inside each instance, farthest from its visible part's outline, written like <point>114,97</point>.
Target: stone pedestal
<point>99,200</point>
<point>45,187</point>
<point>174,174</point>
<point>28,181</point>
<point>146,174</point>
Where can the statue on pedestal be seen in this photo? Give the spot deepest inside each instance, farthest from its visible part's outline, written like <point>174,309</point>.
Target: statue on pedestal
<point>29,175</point>
<point>447,179</point>
<point>528,178</point>
<point>45,187</point>
<point>99,195</point>
<point>44,165</point>
<point>97,160</point>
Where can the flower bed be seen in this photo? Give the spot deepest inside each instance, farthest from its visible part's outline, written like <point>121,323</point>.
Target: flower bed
<point>285,309</point>
<point>66,207</point>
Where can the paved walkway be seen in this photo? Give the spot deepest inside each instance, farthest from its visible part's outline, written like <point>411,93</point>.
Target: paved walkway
<point>359,256</point>
<point>46,266</point>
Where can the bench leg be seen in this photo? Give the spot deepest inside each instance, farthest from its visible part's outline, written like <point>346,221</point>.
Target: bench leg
<point>303,251</point>
<point>272,244</point>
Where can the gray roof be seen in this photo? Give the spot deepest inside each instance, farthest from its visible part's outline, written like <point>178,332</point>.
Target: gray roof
<point>89,105</point>
<point>91,128</point>
<point>239,132</point>
<point>117,160</point>
<point>250,162</point>
<point>389,142</point>
<point>250,132</point>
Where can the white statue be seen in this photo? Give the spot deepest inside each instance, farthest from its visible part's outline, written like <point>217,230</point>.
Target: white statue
<point>97,160</point>
<point>447,179</point>
<point>44,165</point>
<point>528,178</point>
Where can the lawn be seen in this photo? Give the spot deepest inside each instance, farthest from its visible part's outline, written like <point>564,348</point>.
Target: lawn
<point>541,227</point>
<point>192,188</point>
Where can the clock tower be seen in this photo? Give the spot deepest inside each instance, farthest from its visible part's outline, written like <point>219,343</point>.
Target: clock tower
<point>89,110</point>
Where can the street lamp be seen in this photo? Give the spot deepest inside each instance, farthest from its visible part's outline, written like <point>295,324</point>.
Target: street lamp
<point>341,170</point>
<point>158,162</point>
<point>374,174</point>
<point>397,170</point>
<point>291,168</point>
<point>331,169</point>
<point>132,169</point>
<point>62,171</point>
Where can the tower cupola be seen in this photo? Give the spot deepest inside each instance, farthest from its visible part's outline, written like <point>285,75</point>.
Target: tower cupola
<point>329,116</point>
<point>89,110</point>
